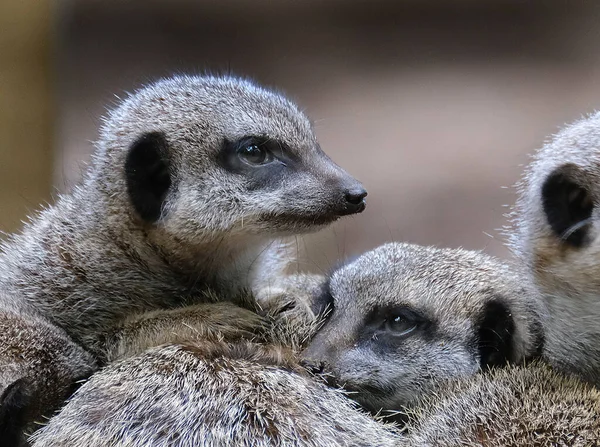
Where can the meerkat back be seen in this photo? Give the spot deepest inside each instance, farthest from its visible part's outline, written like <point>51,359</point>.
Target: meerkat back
<point>517,406</point>
<point>212,394</point>
<point>556,236</point>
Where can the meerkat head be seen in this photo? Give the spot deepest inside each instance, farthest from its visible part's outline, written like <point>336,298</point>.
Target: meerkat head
<point>557,216</point>
<point>404,317</point>
<point>201,157</point>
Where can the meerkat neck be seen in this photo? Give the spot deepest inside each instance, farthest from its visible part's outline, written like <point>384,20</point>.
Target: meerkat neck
<point>87,273</point>
<point>228,262</point>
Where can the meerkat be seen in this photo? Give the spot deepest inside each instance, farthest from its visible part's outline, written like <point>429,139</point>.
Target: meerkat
<point>401,319</point>
<point>195,184</point>
<point>555,234</point>
<point>531,405</point>
<point>405,317</point>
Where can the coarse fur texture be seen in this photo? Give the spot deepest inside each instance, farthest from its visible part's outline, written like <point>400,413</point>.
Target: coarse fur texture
<point>406,316</point>
<point>556,235</point>
<point>194,185</point>
<point>470,311</point>
<point>211,394</point>
<point>517,406</point>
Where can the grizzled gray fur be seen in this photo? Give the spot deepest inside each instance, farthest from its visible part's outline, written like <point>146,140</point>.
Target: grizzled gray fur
<point>195,184</point>
<point>518,406</point>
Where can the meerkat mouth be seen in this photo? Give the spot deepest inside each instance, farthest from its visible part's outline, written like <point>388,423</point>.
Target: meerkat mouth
<point>308,220</point>
<point>297,220</point>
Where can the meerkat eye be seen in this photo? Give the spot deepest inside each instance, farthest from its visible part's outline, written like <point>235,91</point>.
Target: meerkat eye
<point>400,321</point>
<point>254,155</point>
<point>400,325</point>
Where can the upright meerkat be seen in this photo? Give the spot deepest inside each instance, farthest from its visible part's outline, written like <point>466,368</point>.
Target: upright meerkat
<point>402,318</point>
<point>556,235</point>
<point>194,185</point>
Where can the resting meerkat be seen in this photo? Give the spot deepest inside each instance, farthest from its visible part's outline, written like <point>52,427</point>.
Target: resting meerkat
<point>402,318</point>
<point>405,317</point>
<point>194,185</point>
<point>555,234</point>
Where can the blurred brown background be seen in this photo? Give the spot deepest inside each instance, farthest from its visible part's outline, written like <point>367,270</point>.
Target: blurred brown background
<point>434,105</point>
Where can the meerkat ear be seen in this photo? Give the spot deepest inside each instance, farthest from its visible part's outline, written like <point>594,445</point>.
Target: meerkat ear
<point>14,404</point>
<point>568,205</point>
<point>147,173</point>
<point>495,334</point>
<point>322,301</point>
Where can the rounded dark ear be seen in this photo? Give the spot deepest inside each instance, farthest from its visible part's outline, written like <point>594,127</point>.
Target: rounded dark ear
<point>14,406</point>
<point>495,334</point>
<point>322,300</point>
<point>148,176</point>
<point>568,205</point>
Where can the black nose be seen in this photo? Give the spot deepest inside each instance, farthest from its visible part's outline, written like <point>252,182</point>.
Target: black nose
<point>355,200</point>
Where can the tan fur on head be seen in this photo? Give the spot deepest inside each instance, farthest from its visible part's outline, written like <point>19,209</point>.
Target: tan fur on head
<point>563,180</point>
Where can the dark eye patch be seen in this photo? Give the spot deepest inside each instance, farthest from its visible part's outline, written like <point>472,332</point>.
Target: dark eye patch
<point>267,176</point>
<point>397,320</point>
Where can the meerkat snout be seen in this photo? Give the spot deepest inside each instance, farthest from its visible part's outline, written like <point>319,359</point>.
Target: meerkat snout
<point>355,199</point>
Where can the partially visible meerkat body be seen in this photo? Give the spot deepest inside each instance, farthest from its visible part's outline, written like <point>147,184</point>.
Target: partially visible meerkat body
<point>517,406</point>
<point>556,235</point>
<point>194,183</point>
<point>403,318</point>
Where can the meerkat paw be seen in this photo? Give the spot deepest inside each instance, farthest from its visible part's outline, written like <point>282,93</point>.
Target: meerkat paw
<point>208,321</point>
<point>294,307</point>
